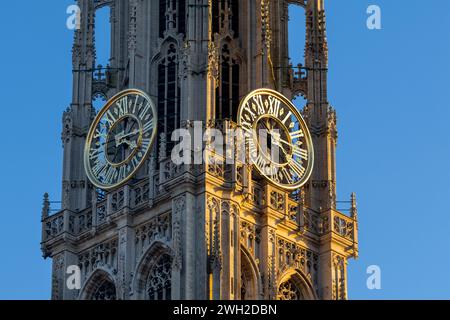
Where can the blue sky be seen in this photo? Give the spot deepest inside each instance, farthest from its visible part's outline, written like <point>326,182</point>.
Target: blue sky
<point>389,87</point>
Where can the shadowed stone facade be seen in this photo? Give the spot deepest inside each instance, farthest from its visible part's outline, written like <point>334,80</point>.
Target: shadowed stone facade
<point>210,231</point>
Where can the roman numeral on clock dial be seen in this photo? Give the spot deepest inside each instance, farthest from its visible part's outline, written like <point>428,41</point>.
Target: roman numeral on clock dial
<point>144,111</point>
<point>297,168</point>
<point>274,108</point>
<point>297,134</point>
<point>148,127</point>
<point>299,152</point>
<point>99,168</point>
<point>122,107</point>
<point>94,153</point>
<point>110,118</point>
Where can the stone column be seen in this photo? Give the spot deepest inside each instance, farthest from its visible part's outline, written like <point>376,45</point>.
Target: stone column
<point>60,290</point>
<point>125,261</point>
<point>325,276</point>
<point>178,210</point>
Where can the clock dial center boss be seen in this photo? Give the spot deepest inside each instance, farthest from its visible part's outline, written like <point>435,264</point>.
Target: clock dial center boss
<point>277,138</point>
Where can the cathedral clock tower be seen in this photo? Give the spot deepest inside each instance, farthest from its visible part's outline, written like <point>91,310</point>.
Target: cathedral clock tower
<point>139,226</point>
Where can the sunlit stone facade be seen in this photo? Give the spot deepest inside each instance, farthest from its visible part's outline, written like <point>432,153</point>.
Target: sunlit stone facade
<point>208,231</point>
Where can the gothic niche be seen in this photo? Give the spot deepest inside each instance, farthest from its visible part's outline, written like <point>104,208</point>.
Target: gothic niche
<point>248,279</point>
<point>159,282</point>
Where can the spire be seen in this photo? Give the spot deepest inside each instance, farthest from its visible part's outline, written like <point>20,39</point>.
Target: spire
<point>354,209</point>
<point>354,214</point>
<point>316,61</point>
<point>316,40</point>
<point>319,115</point>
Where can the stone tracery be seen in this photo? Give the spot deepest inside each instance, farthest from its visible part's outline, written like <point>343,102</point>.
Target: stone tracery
<point>106,291</point>
<point>159,282</point>
<point>289,291</point>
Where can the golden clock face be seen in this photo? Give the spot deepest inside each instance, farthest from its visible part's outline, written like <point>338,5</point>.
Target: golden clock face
<point>120,139</point>
<point>278,140</point>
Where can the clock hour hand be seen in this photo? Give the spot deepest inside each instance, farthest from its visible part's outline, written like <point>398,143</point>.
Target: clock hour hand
<point>122,138</point>
<point>122,135</point>
<point>281,146</point>
<point>277,142</point>
<point>266,124</point>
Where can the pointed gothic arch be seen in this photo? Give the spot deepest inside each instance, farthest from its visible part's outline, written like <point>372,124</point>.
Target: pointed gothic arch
<point>100,285</point>
<point>250,281</point>
<point>230,82</point>
<point>294,16</point>
<point>103,34</point>
<point>153,274</point>
<point>294,285</point>
<point>166,69</point>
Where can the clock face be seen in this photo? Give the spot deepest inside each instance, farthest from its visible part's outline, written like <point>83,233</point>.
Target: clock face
<point>120,139</point>
<point>277,137</point>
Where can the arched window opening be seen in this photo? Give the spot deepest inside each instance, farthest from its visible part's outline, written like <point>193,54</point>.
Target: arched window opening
<point>243,287</point>
<point>103,36</point>
<point>297,40</point>
<point>159,282</point>
<point>98,102</point>
<point>168,96</point>
<point>248,279</point>
<point>300,102</point>
<point>105,291</point>
<point>227,93</point>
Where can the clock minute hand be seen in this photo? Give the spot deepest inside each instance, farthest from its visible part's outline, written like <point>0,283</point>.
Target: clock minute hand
<point>130,143</point>
<point>285,142</point>
<point>118,137</point>
<point>129,134</point>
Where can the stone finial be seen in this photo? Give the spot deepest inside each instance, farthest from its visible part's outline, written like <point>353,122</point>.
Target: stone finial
<point>354,213</point>
<point>46,206</point>
<point>354,209</point>
<point>162,147</point>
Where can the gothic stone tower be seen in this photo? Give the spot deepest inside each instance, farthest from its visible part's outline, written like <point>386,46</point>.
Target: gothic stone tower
<point>210,231</point>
